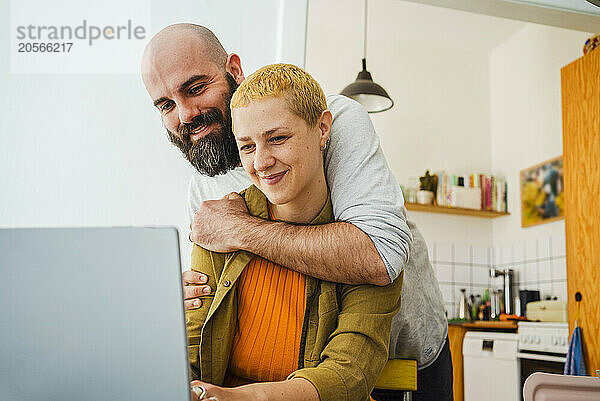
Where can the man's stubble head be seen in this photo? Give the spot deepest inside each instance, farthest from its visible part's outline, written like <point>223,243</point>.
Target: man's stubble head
<point>182,50</point>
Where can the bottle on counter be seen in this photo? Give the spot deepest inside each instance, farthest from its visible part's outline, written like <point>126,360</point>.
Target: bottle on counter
<point>475,307</point>
<point>495,305</point>
<point>485,307</point>
<point>463,306</point>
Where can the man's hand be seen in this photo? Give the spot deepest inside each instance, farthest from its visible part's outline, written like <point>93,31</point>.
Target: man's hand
<point>192,292</point>
<point>217,223</point>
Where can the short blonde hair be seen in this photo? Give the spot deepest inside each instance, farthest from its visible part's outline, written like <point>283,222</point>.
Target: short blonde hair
<point>304,96</point>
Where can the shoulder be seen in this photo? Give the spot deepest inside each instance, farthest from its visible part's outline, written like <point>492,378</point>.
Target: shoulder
<point>342,107</point>
<point>351,124</point>
<point>351,133</point>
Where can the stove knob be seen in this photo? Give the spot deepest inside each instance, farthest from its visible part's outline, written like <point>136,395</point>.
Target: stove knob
<point>527,338</point>
<point>538,339</point>
<point>554,340</point>
<point>563,341</point>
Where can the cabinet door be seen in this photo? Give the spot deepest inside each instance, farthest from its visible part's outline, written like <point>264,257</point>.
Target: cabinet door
<point>581,149</point>
<point>456,335</point>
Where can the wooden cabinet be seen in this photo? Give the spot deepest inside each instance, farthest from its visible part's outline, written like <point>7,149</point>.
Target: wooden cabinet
<point>581,151</point>
<point>456,335</point>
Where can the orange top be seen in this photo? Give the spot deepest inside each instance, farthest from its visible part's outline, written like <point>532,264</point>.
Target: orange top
<point>271,304</point>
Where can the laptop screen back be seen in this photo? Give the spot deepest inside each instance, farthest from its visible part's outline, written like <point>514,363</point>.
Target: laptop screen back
<point>91,314</point>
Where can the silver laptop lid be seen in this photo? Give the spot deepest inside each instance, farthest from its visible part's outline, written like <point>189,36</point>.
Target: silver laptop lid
<point>91,314</point>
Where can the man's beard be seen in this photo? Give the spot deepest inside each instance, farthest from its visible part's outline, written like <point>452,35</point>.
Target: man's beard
<point>216,153</point>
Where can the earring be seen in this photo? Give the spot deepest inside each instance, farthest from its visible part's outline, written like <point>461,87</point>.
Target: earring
<point>324,147</point>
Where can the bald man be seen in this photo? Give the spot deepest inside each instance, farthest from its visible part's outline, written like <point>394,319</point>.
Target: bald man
<point>190,79</point>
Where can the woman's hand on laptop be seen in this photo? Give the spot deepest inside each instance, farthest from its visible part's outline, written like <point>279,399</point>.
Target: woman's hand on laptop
<point>209,392</point>
<point>193,288</point>
<point>296,389</point>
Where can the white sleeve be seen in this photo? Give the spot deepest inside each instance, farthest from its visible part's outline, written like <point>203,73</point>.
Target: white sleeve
<point>193,199</point>
<point>203,188</point>
<point>363,190</point>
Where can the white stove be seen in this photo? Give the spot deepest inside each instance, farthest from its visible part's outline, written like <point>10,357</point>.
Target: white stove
<point>542,347</point>
<point>544,337</point>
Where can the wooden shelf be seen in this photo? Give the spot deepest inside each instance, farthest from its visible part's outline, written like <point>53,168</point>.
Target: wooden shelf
<point>492,324</point>
<point>416,207</point>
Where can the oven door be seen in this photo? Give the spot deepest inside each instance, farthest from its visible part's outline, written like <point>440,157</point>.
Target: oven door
<point>530,363</point>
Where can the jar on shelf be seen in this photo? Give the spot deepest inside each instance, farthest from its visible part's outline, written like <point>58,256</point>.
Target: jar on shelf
<point>411,189</point>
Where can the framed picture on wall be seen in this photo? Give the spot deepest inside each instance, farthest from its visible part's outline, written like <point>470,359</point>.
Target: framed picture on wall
<point>542,193</point>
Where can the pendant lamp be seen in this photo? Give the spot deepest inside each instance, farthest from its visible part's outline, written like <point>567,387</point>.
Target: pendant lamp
<point>371,95</point>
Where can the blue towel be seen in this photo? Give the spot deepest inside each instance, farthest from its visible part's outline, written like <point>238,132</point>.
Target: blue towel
<point>575,365</point>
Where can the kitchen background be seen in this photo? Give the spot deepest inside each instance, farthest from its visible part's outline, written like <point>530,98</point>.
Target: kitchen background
<point>539,265</point>
<point>473,94</point>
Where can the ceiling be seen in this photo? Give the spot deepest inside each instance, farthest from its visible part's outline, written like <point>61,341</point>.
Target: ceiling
<point>577,15</point>
<point>423,23</point>
<point>466,25</point>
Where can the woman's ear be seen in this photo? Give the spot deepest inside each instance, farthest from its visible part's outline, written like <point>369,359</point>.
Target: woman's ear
<point>234,67</point>
<point>324,124</point>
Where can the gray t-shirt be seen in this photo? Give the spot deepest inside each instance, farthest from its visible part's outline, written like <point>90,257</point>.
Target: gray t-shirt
<point>365,194</point>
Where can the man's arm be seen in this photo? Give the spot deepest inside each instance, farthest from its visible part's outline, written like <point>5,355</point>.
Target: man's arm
<point>338,252</point>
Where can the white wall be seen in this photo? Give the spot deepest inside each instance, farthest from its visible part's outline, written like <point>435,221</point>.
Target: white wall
<point>90,150</point>
<point>526,129</point>
<point>440,119</point>
<point>526,116</point>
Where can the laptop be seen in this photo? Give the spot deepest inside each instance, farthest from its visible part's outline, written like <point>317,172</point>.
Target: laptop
<point>92,314</point>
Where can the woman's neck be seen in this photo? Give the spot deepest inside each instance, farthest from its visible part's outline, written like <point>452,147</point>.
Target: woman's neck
<point>306,206</point>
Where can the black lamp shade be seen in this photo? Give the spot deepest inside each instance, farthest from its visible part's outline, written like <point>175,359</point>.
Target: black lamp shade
<point>371,95</point>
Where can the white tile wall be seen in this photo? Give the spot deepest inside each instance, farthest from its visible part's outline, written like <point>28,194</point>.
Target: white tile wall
<point>445,253</point>
<point>481,275</point>
<point>481,256</point>
<point>519,252</point>
<point>539,264</point>
<point>559,268</point>
<point>462,254</point>
<point>462,274</point>
<point>444,273</point>
<point>447,292</point>
<point>545,269</point>
<point>559,246</point>
<point>544,247</point>
<point>531,250</point>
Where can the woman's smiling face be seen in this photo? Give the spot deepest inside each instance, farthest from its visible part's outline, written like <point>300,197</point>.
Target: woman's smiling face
<point>280,152</point>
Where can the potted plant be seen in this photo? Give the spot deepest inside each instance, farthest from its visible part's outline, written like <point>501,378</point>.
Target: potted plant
<point>427,189</point>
